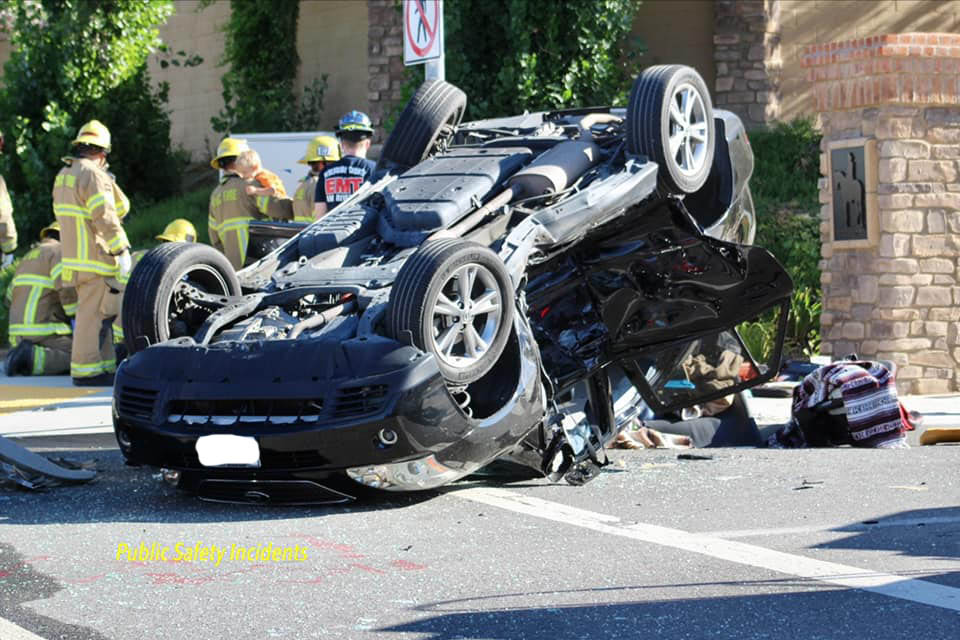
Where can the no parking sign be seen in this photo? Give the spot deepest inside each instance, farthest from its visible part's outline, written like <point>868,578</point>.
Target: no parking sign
<point>423,33</point>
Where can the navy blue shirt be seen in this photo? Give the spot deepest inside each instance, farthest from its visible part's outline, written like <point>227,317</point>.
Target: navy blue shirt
<point>342,178</point>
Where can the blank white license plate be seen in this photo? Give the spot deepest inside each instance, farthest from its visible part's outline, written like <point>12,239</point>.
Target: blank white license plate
<point>223,449</point>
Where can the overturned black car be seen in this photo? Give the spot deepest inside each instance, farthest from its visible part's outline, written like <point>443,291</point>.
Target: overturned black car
<point>515,288</point>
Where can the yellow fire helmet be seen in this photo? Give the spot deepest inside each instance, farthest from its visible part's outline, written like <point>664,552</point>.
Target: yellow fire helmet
<point>321,149</point>
<point>229,148</point>
<point>95,133</point>
<point>179,230</point>
<point>47,230</point>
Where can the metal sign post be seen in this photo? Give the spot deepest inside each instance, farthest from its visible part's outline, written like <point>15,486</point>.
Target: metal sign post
<point>423,36</point>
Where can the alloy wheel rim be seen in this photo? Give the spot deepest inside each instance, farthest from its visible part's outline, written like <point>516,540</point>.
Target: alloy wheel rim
<point>466,316</point>
<point>203,277</point>
<point>688,129</point>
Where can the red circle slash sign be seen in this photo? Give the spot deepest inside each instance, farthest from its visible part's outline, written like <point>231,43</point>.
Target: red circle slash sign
<point>419,7</point>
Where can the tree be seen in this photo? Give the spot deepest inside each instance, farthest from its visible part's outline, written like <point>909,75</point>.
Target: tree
<point>534,55</point>
<point>74,60</point>
<point>261,55</point>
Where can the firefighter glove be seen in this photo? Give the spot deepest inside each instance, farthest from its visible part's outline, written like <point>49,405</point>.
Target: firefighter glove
<point>124,264</point>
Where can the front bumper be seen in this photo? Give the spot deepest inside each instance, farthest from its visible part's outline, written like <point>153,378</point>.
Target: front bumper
<point>316,408</point>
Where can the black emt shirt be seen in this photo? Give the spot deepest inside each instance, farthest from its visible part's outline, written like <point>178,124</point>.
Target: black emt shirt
<point>342,178</point>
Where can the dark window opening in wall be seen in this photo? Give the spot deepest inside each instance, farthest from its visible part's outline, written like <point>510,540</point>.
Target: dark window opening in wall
<point>848,182</point>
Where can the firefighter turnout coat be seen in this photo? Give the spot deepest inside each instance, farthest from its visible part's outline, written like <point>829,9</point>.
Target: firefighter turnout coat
<point>89,205</point>
<point>303,198</point>
<point>232,209</point>
<point>8,230</point>
<point>40,304</point>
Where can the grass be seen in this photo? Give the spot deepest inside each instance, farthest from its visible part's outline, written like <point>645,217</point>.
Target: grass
<point>143,225</point>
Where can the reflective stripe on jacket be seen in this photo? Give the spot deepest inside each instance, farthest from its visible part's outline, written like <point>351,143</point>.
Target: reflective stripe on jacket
<point>8,230</point>
<point>89,204</point>
<point>40,304</point>
<point>232,208</point>
<point>304,197</point>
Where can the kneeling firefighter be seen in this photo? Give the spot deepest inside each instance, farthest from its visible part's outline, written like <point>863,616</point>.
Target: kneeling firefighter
<point>40,310</point>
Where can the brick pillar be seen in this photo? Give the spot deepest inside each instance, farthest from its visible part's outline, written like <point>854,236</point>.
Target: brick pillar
<point>385,48</point>
<point>746,39</point>
<point>897,300</point>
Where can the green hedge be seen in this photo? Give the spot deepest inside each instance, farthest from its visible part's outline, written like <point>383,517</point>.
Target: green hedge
<point>784,186</point>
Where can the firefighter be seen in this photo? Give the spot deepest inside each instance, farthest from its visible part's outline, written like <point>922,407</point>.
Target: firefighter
<point>179,230</point>
<point>40,310</point>
<point>342,178</point>
<point>89,204</point>
<point>320,151</point>
<point>8,230</point>
<point>232,208</point>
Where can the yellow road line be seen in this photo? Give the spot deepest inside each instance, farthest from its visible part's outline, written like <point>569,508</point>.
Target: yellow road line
<point>19,398</point>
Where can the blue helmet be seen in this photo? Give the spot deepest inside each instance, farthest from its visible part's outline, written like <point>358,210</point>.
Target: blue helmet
<point>355,121</point>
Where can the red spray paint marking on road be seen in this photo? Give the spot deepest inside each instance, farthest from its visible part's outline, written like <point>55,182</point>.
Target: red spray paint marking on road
<point>86,580</point>
<point>345,550</point>
<point>173,578</point>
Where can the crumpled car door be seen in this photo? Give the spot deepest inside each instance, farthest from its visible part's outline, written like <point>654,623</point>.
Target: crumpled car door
<point>651,292</point>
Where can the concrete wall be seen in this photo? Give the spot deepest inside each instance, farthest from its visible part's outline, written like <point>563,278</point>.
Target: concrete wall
<point>806,22</point>
<point>331,39</point>
<point>677,32</point>
<point>194,91</point>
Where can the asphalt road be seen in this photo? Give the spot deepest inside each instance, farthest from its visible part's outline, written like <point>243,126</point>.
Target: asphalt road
<point>748,544</point>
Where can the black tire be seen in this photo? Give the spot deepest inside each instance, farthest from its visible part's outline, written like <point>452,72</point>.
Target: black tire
<point>413,305</point>
<point>433,113</point>
<point>146,312</point>
<point>649,125</point>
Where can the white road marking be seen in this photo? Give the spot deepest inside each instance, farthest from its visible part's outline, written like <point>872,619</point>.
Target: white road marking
<point>10,631</point>
<point>894,586</point>
<point>836,528</point>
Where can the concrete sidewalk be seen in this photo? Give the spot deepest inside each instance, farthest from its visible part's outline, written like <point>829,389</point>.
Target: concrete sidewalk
<point>53,407</point>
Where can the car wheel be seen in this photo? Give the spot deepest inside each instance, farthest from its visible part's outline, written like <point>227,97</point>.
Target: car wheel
<point>455,299</point>
<point>425,124</point>
<point>670,120</point>
<point>154,305</point>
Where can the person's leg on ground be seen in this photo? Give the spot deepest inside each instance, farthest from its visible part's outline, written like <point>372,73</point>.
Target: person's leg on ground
<point>51,356</point>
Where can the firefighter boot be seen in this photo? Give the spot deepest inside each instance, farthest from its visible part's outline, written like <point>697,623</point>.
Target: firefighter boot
<point>19,361</point>
<point>102,380</point>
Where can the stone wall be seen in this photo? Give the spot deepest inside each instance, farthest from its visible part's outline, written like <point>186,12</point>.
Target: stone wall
<point>747,54</point>
<point>385,61</point>
<point>899,300</point>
